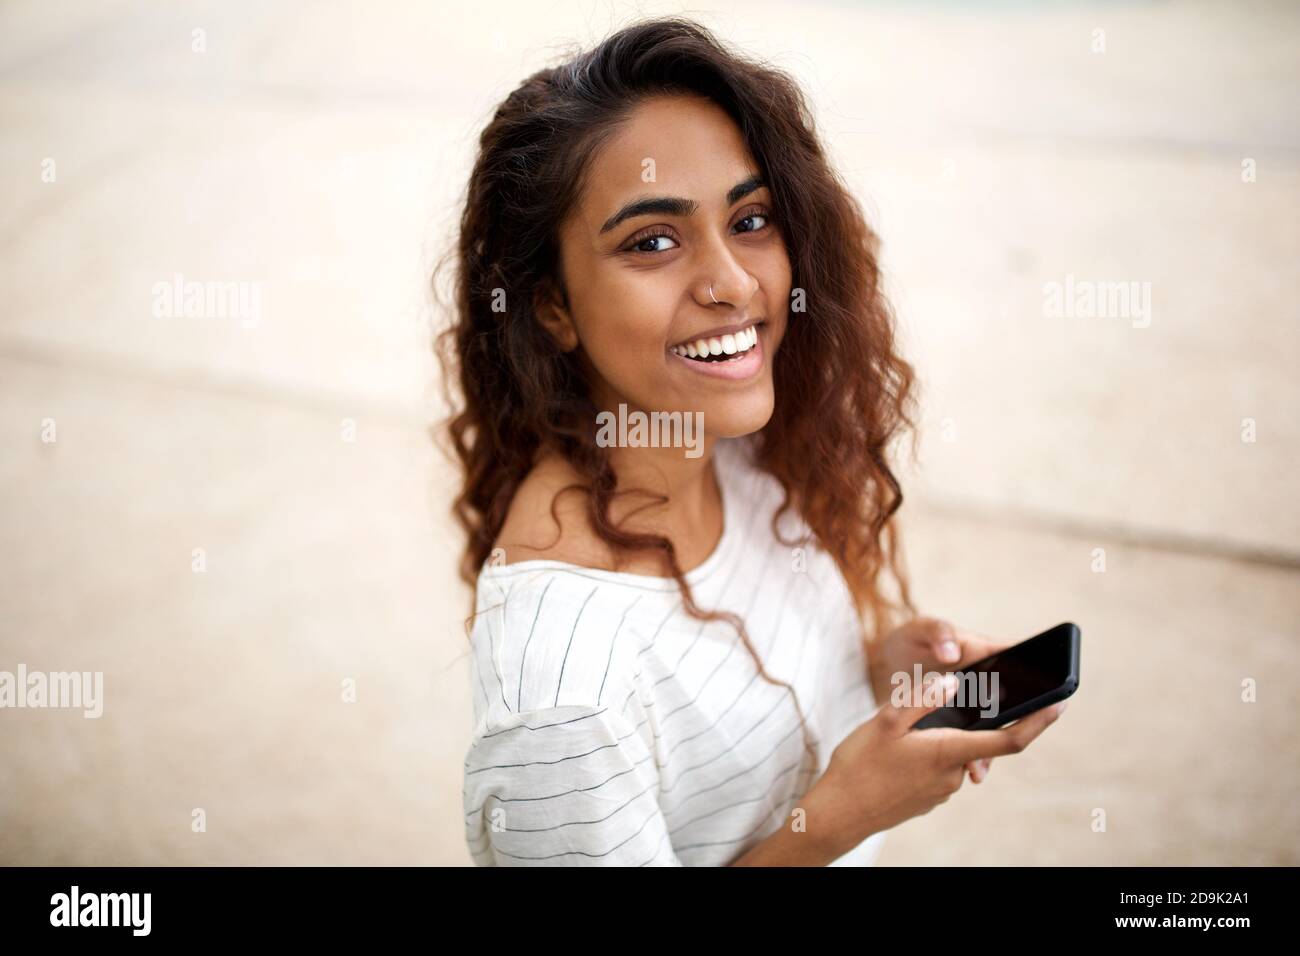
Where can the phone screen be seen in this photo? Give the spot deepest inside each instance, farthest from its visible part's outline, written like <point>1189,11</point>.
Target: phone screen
<point>1013,682</point>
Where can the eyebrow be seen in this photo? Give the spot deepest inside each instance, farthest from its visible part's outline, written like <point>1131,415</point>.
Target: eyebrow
<point>676,206</point>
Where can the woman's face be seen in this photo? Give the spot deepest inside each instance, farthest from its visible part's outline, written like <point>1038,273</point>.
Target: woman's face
<point>638,278</point>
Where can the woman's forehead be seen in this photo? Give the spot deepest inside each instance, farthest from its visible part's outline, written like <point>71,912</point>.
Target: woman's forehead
<point>673,138</point>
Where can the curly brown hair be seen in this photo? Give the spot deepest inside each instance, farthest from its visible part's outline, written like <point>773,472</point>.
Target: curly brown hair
<point>843,392</point>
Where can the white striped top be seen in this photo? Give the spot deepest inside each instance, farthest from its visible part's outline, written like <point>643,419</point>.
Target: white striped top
<point>612,729</point>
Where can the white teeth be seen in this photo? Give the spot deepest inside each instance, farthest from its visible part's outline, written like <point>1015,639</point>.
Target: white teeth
<point>730,344</point>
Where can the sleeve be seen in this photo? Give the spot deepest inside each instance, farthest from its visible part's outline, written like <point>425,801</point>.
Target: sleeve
<point>565,786</point>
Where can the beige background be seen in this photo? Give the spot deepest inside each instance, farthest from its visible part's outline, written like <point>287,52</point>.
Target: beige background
<point>321,154</point>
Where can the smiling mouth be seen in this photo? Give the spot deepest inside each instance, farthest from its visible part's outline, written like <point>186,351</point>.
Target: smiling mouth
<point>720,348</point>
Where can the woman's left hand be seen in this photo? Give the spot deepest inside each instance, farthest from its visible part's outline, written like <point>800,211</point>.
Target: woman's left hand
<point>937,646</point>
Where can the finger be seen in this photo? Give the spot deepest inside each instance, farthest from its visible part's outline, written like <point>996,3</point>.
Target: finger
<point>905,709</point>
<point>971,745</point>
<point>943,641</point>
<point>975,647</point>
<point>934,638</point>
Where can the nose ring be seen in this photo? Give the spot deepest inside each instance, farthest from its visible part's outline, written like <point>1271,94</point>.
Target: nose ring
<point>711,295</point>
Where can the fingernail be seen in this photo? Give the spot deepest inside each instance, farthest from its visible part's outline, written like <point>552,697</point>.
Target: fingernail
<point>948,651</point>
<point>1060,708</point>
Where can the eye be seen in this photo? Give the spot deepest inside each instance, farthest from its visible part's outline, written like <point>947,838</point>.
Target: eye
<point>651,235</point>
<point>759,214</point>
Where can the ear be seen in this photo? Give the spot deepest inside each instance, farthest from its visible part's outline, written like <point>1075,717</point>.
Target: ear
<point>551,305</point>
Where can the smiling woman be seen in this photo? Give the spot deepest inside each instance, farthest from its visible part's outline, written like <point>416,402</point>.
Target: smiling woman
<point>653,224</point>
<point>674,269</point>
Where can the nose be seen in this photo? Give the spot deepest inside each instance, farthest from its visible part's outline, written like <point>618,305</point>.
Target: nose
<point>731,282</point>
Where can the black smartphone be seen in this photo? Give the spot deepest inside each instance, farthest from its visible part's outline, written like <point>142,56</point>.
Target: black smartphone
<point>1015,681</point>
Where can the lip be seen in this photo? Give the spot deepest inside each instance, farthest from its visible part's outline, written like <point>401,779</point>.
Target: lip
<point>737,370</point>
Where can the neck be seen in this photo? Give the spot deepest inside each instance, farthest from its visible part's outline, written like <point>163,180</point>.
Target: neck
<point>689,483</point>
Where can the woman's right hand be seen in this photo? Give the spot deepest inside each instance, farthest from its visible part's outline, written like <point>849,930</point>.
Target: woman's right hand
<point>884,772</point>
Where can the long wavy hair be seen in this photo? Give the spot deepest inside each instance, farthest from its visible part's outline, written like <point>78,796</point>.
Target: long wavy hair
<point>842,392</point>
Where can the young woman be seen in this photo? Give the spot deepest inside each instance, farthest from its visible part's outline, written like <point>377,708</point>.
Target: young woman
<point>681,648</point>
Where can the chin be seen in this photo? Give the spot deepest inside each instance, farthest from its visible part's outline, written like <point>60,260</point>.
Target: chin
<point>739,416</point>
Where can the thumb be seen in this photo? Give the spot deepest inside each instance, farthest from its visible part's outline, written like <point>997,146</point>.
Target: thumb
<point>936,638</point>
<point>944,646</point>
<point>908,705</point>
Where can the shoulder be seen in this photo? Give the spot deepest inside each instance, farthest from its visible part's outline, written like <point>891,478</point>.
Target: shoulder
<point>548,520</point>
<point>545,637</point>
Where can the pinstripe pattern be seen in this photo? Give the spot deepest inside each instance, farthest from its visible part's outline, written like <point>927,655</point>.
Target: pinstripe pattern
<point>612,729</point>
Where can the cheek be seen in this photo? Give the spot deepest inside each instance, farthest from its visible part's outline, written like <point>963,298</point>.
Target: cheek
<point>630,318</point>
<point>776,275</point>
<point>773,271</point>
<point>625,330</point>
